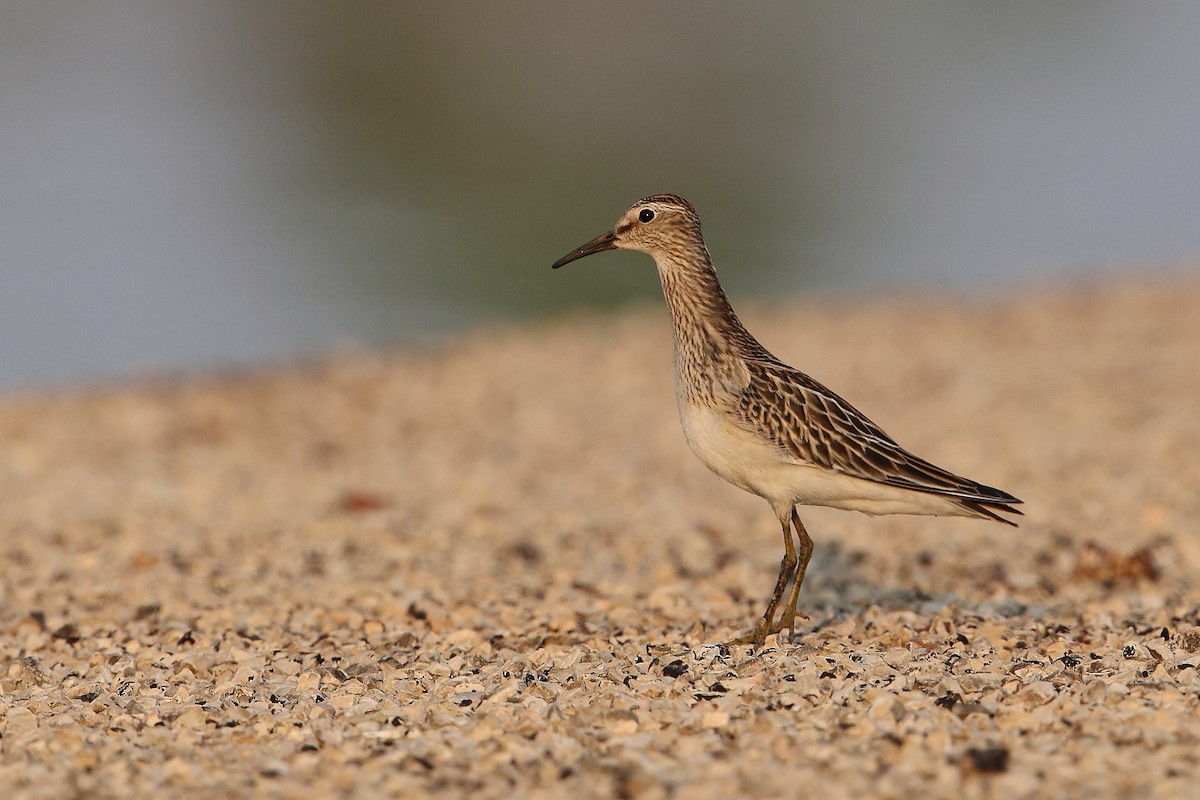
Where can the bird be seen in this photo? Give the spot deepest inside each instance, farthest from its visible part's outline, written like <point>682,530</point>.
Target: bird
<point>766,427</point>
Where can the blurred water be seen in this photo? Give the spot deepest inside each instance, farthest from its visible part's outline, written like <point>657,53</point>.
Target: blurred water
<point>191,185</point>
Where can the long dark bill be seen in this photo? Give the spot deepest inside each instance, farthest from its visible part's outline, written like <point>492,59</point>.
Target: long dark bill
<point>605,241</point>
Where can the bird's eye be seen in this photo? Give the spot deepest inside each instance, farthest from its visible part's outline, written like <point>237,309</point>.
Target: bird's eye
<point>646,215</point>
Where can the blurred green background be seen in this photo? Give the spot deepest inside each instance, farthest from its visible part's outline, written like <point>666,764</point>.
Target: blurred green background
<point>198,184</point>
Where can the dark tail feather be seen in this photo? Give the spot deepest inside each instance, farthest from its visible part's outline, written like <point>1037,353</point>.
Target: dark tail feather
<point>989,508</point>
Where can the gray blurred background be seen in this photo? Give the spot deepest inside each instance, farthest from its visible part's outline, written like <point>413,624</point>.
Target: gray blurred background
<point>206,184</point>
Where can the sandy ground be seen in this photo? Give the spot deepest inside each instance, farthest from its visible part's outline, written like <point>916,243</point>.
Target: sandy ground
<point>494,568</point>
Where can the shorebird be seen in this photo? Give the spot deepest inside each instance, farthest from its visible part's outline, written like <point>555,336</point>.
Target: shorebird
<point>766,427</point>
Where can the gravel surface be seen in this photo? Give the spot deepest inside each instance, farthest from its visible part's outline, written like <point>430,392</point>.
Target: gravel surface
<point>493,568</point>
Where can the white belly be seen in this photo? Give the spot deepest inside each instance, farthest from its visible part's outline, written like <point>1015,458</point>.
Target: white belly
<point>756,465</point>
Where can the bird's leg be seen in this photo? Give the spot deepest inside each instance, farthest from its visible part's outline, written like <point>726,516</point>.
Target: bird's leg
<point>786,568</point>
<point>788,619</point>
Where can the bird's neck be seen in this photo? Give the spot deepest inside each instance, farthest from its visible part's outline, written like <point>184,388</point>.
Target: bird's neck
<point>705,326</point>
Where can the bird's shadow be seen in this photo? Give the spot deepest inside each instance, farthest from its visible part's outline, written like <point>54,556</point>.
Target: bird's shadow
<point>837,587</point>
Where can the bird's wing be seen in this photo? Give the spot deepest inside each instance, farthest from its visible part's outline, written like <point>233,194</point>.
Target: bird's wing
<point>812,424</point>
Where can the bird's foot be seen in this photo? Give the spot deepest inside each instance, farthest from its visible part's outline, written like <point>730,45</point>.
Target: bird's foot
<point>788,621</point>
<point>765,628</point>
<point>754,637</point>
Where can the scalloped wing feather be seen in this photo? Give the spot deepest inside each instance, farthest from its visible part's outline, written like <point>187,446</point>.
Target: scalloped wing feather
<point>812,424</point>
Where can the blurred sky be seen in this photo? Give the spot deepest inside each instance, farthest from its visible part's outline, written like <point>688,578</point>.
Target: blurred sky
<point>201,184</point>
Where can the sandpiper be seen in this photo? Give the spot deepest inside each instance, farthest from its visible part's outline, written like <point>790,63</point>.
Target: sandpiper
<point>768,428</point>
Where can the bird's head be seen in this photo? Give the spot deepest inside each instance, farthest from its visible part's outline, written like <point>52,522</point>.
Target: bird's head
<point>658,225</point>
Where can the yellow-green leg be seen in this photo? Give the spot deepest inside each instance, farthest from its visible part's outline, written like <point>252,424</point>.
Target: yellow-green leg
<point>788,620</point>
<point>787,567</point>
